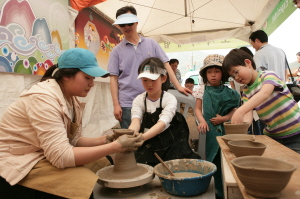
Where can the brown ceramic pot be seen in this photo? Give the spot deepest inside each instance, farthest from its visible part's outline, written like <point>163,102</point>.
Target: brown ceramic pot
<point>236,128</point>
<point>263,177</point>
<point>246,147</point>
<point>231,137</point>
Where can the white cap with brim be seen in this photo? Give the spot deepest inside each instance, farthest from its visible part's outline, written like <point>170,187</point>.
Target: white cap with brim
<point>153,76</point>
<point>126,19</point>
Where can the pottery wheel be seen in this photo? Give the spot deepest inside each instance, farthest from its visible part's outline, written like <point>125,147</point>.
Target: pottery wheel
<point>125,173</point>
<point>109,178</point>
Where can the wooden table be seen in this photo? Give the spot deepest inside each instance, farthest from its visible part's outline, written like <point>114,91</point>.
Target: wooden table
<point>273,150</point>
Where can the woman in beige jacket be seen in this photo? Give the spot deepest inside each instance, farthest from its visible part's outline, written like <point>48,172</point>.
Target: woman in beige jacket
<point>41,147</point>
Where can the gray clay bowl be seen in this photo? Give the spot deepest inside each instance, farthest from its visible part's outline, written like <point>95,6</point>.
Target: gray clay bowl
<point>236,128</point>
<point>246,147</point>
<point>233,137</point>
<point>263,177</point>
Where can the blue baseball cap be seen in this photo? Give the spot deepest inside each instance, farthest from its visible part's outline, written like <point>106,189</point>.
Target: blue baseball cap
<point>82,59</point>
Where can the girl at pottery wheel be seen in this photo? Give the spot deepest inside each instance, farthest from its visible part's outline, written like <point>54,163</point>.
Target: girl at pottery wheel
<point>165,131</point>
<point>215,104</point>
<point>41,146</point>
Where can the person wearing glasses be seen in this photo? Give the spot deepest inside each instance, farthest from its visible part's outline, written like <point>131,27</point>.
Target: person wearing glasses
<point>265,92</point>
<point>124,61</point>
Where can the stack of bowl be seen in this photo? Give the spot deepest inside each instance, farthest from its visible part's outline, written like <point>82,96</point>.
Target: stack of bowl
<point>246,147</point>
<point>185,186</point>
<point>263,177</point>
<point>233,137</point>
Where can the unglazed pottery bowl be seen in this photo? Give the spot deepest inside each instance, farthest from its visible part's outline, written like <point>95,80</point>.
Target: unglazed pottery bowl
<point>246,147</point>
<point>263,177</point>
<point>232,137</point>
<point>236,128</point>
<point>185,186</point>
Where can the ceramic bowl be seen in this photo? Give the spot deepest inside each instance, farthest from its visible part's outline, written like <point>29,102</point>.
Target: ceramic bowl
<point>246,147</point>
<point>263,177</point>
<point>232,137</point>
<point>236,128</point>
<point>185,186</point>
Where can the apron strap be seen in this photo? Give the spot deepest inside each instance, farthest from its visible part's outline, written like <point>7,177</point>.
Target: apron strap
<point>161,96</point>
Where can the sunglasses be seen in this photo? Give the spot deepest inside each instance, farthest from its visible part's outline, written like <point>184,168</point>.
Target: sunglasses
<point>123,25</point>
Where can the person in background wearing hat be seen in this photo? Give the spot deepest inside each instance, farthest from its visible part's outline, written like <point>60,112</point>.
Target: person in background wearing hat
<point>215,104</point>
<point>124,61</point>
<point>41,146</point>
<point>269,96</point>
<point>154,114</point>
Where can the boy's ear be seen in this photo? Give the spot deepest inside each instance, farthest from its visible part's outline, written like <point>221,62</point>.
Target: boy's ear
<point>248,63</point>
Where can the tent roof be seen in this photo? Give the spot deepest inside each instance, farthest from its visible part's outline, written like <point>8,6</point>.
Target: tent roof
<point>195,21</point>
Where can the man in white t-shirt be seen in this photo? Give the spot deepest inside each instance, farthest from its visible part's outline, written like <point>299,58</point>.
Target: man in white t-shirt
<point>268,57</point>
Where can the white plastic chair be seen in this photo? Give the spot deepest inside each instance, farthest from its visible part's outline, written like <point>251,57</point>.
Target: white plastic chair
<point>189,101</point>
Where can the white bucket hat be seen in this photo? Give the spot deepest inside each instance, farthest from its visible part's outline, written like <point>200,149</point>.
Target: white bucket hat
<point>126,19</point>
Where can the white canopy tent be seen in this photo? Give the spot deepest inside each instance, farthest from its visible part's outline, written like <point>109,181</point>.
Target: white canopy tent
<point>195,21</point>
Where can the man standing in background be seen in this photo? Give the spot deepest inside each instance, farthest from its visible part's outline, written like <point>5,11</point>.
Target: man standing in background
<point>268,57</point>
<point>174,65</point>
<point>124,61</point>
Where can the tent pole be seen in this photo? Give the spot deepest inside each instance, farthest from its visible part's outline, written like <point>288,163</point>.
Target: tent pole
<point>185,9</point>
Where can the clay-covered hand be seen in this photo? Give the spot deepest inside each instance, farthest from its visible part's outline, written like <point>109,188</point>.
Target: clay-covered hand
<point>110,138</point>
<point>131,142</point>
<point>136,133</point>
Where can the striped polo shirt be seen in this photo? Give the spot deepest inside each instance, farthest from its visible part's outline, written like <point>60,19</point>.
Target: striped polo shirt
<point>280,112</point>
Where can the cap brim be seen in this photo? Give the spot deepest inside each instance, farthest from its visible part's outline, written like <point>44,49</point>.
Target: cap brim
<point>126,19</point>
<point>95,72</point>
<point>149,76</point>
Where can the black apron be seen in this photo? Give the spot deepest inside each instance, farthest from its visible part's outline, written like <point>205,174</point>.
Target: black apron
<point>169,144</point>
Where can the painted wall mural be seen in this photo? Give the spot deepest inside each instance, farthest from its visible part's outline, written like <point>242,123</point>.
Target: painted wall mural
<point>95,33</point>
<point>33,34</point>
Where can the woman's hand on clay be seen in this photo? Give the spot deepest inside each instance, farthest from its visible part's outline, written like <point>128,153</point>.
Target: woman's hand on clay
<point>130,142</point>
<point>202,127</point>
<point>217,120</point>
<point>110,138</point>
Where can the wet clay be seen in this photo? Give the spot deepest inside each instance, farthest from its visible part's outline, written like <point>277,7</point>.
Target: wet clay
<point>125,168</point>
<point>186,174</point>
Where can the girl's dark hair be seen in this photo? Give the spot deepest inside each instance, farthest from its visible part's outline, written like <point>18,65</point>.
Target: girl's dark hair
<point>236,57</point>
<point>155,63</point>
<point>224,76</point>
<point>59,74</point>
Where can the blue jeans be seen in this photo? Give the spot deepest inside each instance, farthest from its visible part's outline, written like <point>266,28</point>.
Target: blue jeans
<point>291,142</point>
<point>126,117</point>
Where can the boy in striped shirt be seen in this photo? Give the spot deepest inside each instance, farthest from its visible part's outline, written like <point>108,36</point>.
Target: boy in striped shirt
<point>265,92</point>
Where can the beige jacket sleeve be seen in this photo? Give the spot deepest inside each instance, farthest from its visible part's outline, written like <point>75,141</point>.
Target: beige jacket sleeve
<point>46,116</point>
